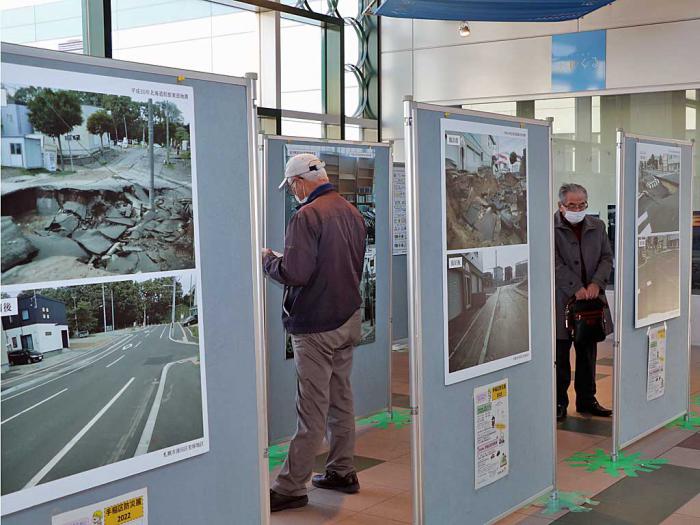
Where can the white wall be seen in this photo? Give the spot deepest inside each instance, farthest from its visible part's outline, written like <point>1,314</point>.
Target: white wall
<point>42,342</point>
<point>650,44</point>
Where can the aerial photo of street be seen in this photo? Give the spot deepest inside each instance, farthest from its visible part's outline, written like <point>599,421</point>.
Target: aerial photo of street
<point>485,190</point>
<point>658,278</point>
<point>658,180</point>
<point>83,192</point>
<point>488,317</point>
<point>126,382</point>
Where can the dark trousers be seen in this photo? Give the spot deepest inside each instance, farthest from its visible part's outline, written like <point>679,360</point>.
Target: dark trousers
<point>584,382</point>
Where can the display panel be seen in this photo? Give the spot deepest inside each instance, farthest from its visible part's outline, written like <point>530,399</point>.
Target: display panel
<point>100,249</point>
<point>657,263</point>
<point>351,171</point>
<point>485,280</point>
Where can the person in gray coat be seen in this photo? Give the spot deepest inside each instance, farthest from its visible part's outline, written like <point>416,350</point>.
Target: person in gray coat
<point>583,261</point>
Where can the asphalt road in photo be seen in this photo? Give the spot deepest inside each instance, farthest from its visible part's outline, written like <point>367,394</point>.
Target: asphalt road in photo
<point>498,330</point>
<point>134,393</point>
<point>658,214</point>
<point>658,284</point>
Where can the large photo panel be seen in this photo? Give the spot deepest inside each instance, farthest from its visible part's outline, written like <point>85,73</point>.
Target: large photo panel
<point>100,251</point>
<point>657,257</point>
<point>485,245</point>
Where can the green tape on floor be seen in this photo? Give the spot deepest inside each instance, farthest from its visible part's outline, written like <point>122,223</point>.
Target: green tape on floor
<point>277,454</point>
<point>627,464</point>
<point>571,501</point>
<point>692,422</point>
<point>399,418</point>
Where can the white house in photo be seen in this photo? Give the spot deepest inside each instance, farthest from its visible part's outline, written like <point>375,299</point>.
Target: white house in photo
<point>469,151</point>
<point>41,325</point>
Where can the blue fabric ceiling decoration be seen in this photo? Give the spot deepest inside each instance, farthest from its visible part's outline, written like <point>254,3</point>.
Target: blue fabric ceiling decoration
<point>491,10</point>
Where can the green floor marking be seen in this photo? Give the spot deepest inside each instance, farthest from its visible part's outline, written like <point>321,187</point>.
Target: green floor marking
<point>400,417</point>
<point>691,423</point>
<point>277,454</point>
<point>571,501</point>
<point>627,464</point>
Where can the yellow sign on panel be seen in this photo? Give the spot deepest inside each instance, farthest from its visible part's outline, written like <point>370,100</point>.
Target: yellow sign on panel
<point>124,512</point>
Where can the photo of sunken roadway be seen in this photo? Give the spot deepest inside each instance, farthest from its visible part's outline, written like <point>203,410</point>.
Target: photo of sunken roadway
<point>657,195</point>
<point>134,391</point>
<point>658,280</point>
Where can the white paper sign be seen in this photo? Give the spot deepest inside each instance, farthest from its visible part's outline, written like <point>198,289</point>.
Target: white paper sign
<point>9,306</point>
<point>129,509</point>
<point>398,186</point>
<point>656,366</point>
<point>491,461</point>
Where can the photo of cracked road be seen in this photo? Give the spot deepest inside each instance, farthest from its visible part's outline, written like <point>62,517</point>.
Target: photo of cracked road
<point>658,180</point>
<point>94,184</point>
<point>487,310</point>
<point>485,188</point>
<point>121,379</point>
<point>658,278</point>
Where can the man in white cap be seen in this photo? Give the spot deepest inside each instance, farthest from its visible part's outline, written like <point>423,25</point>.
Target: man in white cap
<point>321,270</point>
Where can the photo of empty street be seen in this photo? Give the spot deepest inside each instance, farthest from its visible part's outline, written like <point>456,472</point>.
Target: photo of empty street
<point>98,374</point>
<point>485,188</point>
<point>487,309</point>
<point>658,179</point>
<point>658,278</point>
<point>94,183</point>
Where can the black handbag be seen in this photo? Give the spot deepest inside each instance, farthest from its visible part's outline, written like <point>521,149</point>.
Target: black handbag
<point>585,320</point>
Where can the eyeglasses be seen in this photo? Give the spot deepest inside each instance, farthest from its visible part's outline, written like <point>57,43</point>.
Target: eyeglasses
<point>289,187</point>
<point>576,207</point>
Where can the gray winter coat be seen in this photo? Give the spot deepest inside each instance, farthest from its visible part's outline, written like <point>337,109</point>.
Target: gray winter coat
<point>597,259</point>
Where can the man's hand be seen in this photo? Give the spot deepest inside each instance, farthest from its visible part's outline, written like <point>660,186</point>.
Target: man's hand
<point>582,294</point>
<point>592,291</point>
<point>266,252</point>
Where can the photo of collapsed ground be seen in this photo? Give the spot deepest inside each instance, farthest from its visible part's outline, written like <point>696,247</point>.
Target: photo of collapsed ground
<point>658,278</point>
<point>120,377</point>
<point>658,180</point>
<point>485,189</point>
<point>487,305</point>
<point>93,185</point>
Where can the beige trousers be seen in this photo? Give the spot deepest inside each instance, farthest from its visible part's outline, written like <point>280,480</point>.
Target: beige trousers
<point>324,404</point>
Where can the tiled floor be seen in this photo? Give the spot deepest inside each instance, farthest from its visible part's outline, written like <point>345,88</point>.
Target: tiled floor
<point>670,496</point>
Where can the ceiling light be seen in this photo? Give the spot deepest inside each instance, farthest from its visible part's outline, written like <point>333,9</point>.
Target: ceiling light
<point>464,29</point>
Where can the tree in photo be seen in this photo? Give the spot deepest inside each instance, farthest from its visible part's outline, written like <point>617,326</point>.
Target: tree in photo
<point>99,123</point>
<point>55,113</point>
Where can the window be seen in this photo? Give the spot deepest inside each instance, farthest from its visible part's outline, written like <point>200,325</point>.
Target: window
<point>189,34</point>
<point>15,148</point>
<point>14,342</point>
<point>301,64</point>
<point>56,25</point>
<point>25,315</point>
<point>48,333</point>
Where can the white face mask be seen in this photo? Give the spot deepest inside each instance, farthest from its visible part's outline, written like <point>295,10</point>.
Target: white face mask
<point>574,217</point>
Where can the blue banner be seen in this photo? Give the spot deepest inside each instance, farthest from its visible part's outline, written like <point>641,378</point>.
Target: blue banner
<point>578,61</point>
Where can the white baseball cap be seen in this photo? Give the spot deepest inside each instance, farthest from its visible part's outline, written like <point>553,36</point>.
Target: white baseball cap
<point>300,165</point>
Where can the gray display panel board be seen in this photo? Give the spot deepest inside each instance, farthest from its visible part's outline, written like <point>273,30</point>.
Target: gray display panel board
<point>635,416</point>
<point>220,484</point>
<point>444,426</point>
<point>371,364</point>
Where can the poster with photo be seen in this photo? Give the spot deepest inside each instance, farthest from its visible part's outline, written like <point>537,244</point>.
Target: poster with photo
<point>656,362</point>
<point>657,257</point>
<point>487,311</point>
<point>128,509</point>
<point>398,213</point>
<point>484,186</point>
<point>491,439</point>
<point>105,375</point>
<point>351,171</point>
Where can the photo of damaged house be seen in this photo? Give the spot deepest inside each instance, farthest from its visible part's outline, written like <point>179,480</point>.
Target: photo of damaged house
<point>93,185</point>
<point>485,190</point>
<point>487,306</point>
<point>658,178</point>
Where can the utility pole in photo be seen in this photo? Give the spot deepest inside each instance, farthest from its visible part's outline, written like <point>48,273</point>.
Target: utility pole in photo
<point>151,158</point>
<point>75,314</point>
<point>114,323</point>
<point>173,313</point>
<point>167,133</point>
<point>104,308</point>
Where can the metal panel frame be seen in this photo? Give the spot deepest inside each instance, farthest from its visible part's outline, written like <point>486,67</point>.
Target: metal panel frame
<point>619,289</point>
<point>415,339</point>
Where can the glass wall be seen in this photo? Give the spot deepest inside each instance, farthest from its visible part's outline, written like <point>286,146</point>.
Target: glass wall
<point>584,140</point>
<point>302,53</point>
<point>188,34</point>
<point>56,25</point>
